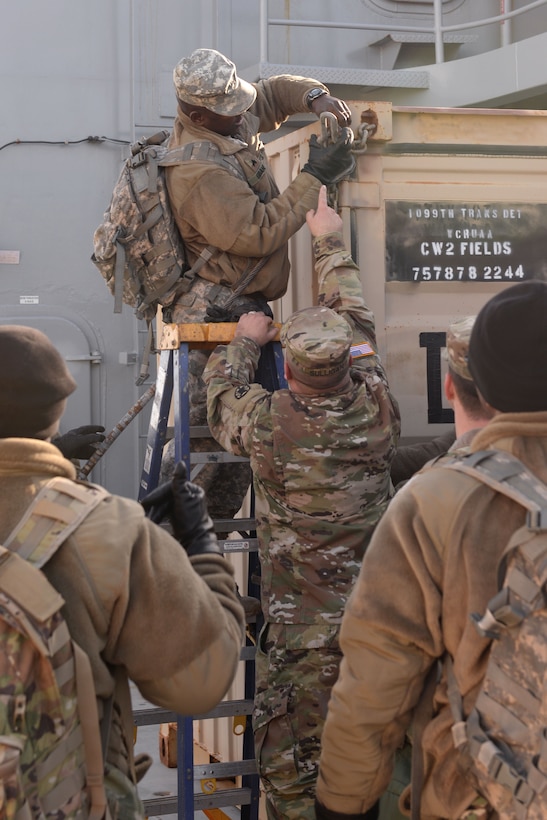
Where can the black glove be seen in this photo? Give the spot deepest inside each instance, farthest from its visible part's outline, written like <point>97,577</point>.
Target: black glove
<point>243,304</point>
<point>331,163</point>
<point>80,442</point>
<point>183,503</point>
<point>322,813</point>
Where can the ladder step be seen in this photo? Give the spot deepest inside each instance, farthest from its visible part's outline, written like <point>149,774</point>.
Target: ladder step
<point>224,770</point>
<point>248,653</point>
<point>234,524</point>
<point>224,797</point>
<point>229,545</point>
<point>220,457</point>
<point>226,708</point>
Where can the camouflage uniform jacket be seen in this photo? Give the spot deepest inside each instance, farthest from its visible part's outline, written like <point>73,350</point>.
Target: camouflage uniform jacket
<point>432,562</point>
<point>245,222</point>
<point>125,581</point>
<point>320,464</point>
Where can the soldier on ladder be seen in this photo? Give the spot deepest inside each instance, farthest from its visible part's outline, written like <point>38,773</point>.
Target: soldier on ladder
<point>240,216</point>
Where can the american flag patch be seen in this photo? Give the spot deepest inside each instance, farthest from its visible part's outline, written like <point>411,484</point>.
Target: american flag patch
<point>360,350</point>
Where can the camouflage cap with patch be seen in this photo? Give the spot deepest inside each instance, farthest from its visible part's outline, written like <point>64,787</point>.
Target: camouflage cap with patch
<point>209,80</point>
<point>457,346</point>
<point>317,341</point>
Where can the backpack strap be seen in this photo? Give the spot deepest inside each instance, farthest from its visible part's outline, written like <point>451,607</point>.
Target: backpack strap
<point>59,507</point>
<point>89,720</point>
<point>505,473</point>
<point>57,510</point>
<point>206,151</point>
<point>519,595</point>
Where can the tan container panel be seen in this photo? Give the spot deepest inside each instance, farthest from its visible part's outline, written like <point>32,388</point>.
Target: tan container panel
<point>419,159</point>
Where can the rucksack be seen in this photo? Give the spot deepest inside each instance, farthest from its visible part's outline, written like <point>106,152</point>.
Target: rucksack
<point>505,737</point>
<point>137,247</point>
<point>51,760</point>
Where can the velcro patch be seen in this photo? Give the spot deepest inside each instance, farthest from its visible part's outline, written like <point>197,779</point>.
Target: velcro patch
<point>362,349</point>
<point>239,392</point>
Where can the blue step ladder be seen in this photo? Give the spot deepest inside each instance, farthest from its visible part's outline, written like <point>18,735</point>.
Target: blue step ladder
<point>172,391</point>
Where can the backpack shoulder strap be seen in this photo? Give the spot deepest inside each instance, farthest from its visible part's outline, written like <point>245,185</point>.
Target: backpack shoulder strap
<point>203,151</point>
<point>506,474</point>
<point>59,507</point>
<point>520,593</point>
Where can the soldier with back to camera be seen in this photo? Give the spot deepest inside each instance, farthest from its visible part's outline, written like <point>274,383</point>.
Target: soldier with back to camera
<point>320,453</point>
<point>432,562</point>
<point>124,580</point>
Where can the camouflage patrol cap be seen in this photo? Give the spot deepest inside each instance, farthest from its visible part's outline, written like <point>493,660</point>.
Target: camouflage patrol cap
<point>457,346</point>
<point>209,80</point>
<point>317,343</point>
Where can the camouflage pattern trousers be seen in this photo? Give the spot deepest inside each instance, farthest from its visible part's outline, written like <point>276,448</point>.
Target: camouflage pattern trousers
<point>296,667</point>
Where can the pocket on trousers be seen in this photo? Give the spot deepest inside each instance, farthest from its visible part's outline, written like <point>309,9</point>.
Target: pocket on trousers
<point>275,744</point>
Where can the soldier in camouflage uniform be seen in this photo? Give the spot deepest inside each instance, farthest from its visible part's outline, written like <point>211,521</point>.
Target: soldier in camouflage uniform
<point>432,561</point>
<point>320,453</point>
<point>470,413</point>
<point>242,215</point>
<point>462,394</point>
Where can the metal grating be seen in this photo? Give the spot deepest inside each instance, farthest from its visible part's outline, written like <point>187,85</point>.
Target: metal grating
<point>350,76</point>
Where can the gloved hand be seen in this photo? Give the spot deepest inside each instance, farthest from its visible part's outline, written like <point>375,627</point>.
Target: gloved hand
<point>80,442</point>
<point>183,503</point>
<point>322,813</point>
<point>331,163</point>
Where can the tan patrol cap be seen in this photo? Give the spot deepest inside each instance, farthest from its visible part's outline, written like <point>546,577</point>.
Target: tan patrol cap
<point>208,79</point>
<point>457,346</point>
<point>317,343</point>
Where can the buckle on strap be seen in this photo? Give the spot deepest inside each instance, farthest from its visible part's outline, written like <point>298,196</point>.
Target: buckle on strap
<point>504,774</point>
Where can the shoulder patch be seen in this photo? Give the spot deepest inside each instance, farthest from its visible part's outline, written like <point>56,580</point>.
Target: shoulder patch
<point>361,349</point>
<point>241,391</point>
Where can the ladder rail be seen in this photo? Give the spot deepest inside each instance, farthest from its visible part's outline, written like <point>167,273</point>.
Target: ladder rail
<point>172,391</point>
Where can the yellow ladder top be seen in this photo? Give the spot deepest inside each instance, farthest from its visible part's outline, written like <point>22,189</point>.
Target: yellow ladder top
<point>199,335</point>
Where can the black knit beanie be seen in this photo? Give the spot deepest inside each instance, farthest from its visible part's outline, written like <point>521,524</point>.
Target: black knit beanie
<point>508,349</point>
<point>34,385</point>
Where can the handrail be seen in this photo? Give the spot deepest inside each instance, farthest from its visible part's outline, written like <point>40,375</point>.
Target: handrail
<point>438,29</point>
